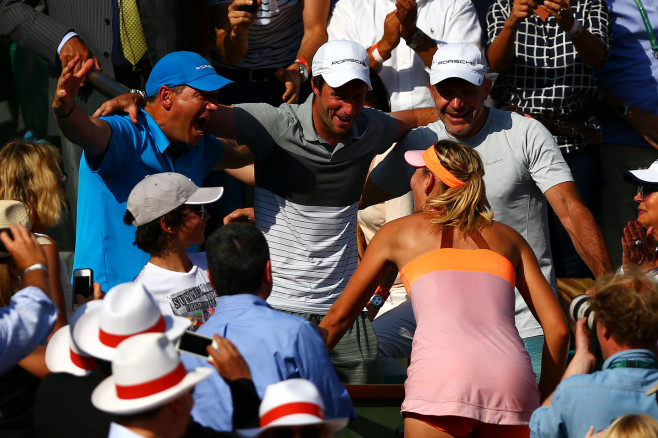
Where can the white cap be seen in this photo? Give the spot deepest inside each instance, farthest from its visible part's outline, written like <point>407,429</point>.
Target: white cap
<point>643,176</point>
<point>458,60</point>
<point>341,61</point>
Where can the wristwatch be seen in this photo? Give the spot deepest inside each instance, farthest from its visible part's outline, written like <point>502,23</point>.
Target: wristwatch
<point>416,39</point>
<point>377,300</point>
<point>140,92</point>
<point>622,109</point>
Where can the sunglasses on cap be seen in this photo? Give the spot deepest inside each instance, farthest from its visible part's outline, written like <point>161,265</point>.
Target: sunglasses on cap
<point>645,191</point>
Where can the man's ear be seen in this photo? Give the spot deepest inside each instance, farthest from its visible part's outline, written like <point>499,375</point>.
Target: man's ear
<point>267,273</point>
<point>487,84</point>
<point>315,89</point>
<point>210,279</point>
<point>165,97</point>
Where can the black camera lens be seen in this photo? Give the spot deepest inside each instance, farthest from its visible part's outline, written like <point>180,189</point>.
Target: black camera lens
<point>580,308</point>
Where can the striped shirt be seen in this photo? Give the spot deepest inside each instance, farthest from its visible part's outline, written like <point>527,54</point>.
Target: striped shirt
<point>306,197</point>
<point>273,39</point>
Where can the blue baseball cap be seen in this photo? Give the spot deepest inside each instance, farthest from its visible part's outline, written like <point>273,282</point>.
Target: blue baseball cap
<point>184,68</point>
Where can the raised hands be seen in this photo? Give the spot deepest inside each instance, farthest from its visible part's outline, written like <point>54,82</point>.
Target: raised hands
<point>638,247</point>
<point>70,81</point>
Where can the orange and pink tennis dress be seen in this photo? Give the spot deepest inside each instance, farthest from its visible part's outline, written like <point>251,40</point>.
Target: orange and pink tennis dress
<point>467,358</point>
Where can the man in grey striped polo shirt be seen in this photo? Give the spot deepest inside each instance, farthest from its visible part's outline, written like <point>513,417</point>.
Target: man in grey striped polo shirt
<point>311,163</point>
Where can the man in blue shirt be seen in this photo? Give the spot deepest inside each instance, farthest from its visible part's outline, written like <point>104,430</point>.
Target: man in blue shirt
<point>169,136</point>
<point>626,312</point>
<point>277,346</point>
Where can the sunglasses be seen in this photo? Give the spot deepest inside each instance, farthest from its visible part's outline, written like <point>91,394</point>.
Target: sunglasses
<point>646,191</point>
<point>199,211</point>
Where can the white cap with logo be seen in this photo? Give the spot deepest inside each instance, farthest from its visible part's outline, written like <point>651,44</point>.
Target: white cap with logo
<point>458,60</point>
<point>341,61</point>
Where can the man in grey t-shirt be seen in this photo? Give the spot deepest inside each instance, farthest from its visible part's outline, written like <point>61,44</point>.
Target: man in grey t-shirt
<point>524,168</point>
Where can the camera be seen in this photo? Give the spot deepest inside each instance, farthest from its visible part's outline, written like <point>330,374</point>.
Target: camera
<point>2,245</point>
<point>580,308</point>
<point>253,7</point>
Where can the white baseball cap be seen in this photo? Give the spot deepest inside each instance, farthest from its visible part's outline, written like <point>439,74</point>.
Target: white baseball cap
<point>643,176</point>
<point>341,61</point>
<point>458,60</point>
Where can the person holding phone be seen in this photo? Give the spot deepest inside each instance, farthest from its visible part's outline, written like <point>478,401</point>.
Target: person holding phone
<point>25,322</point>
<point>546,53</point>
<point>170,214</point>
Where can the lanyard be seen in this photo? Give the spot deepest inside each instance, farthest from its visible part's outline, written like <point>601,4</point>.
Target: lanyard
<point>649,29</point>
<point>632,364</point>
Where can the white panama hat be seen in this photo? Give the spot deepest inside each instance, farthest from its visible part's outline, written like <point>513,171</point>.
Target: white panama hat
<point>127,310</point>
<point>146,373</point>
<point>63,355</point>
<point>292,402</point>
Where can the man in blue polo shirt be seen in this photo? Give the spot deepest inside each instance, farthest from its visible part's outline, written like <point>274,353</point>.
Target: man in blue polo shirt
<point>169,136</point>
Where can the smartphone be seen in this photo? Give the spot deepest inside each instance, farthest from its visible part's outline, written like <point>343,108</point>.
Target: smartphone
<point>253,7</point>
<point>2,245</point>
<point>83,282</point>
<point>194,343</point>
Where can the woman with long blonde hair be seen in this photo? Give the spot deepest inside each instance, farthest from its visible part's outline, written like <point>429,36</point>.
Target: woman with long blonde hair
<point>470,375</point>
<point>30,173</point>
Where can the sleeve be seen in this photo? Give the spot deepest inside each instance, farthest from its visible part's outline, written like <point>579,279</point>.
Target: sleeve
<point>547,421</point>
<point>25,323</point>
<point>315,365</point>
<point>384,125</point>
<point>463,25</point>
<point>258,125</point>
<point>496,16</point>
<point>31,29</point>
<point>245,403</point>
<point>340,25</point>
<point>542,155</point>
<point>124,136</point>
<point>393,174</point>
<point>597,21</point>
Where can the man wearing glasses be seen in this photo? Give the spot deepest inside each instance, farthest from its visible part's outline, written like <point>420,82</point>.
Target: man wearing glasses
<point>181,94</point>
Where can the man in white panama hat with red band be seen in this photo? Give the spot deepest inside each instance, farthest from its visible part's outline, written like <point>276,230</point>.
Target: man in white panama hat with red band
<point>293,408</point>
<point>149,391</point>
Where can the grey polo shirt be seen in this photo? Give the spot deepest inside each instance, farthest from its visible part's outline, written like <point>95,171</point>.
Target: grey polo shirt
<point>521,162</point>
<point>306,197</point>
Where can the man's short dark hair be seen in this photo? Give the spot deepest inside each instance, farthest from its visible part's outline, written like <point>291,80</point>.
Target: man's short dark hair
<point>237,254</point>
<point>319,82</point>
<point>150,237</point>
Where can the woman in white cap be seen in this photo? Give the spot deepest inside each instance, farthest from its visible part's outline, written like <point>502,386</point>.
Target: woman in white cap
<point>469,373</point>
<point>639,239</point>
<point>168,211</point>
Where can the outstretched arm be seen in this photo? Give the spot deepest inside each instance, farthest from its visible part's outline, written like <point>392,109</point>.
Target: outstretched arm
<point>580,224</point>
<point>358,291</point>
<point>92,134</point>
